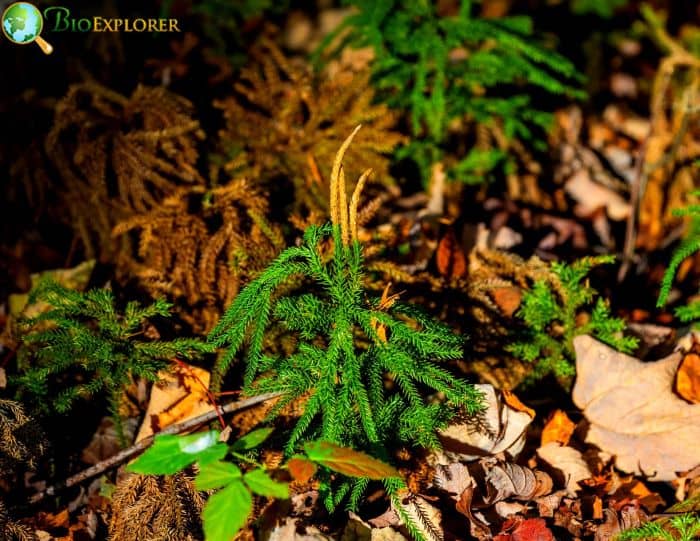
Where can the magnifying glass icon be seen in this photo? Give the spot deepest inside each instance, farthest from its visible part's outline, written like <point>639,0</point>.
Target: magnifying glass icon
<point>22,23</point>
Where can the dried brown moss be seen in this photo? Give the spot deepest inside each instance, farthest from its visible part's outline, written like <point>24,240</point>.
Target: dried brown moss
<point>119,155</point>
<point>667,174</point>
<point>199,246</point>
<point>11,530</point>
<point>22,441</point>
<point>150,508</point>
<point>285,122</point>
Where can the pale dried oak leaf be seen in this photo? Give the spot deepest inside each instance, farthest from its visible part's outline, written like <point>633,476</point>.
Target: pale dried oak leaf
<point>634,413</point>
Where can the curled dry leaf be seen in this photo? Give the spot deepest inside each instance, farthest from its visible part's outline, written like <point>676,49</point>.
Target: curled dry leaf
<point>634,413</point>
<point>506,480</point>
<point>500,428</point>
<point>687,383</point>
<point>558,428</point>
<point>568,461</point>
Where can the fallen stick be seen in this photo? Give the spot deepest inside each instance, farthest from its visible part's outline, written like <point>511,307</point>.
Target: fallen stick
<point>142,445</point>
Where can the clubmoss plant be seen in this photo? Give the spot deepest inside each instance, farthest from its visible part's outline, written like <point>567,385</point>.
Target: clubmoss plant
<point>446,68</point>
<point>683,527</point>
<point>363,365</point>
<point>83,346</point>
<point>554,314</point>
<point>688,246</point>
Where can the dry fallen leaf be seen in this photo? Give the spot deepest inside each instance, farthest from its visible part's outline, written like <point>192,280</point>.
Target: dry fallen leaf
<point>591,196</point>
<point>359,530</point>
<point>510,398</point>
<point>451,261</point>
<point>507,298</point>
<point>179,395</point>
<point>507,480</point>
<point>532,529</point>
<point>105,442</point>
<point>558,428</point>
<point>634,413</point>
<point>568,461</point>
<point>287,531</point>
<point>499,428</point>
<point>688,378</point>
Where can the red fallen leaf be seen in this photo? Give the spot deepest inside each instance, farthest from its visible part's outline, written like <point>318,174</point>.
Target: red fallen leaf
<point>532,529</point>
<point>451,261</point>
<point>301,469</point>
<point>348,461</point>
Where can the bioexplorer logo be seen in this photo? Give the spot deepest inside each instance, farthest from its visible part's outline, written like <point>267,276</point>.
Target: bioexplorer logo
<point>22,23</point>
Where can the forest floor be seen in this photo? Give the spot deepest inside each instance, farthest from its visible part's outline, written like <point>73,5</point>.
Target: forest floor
<point>571,275</point>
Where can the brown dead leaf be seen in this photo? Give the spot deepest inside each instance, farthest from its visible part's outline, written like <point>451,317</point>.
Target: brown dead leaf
<point>610,528</point>
<point>547,505</point>
<point>453,478</point>
<point>464,506</point>
<point>634,413</point>
<point>359,530</point>
<point>507,298</point>
<point>597,512</point>
<point>568,461</point>
<point>499,428</point>
<point>49,521</point>
<point>507,480</point>
<point>179,395</point>
<point>687,383</point>
<point>558,428</point>
<point>510,398</point>
<point>105,442</point>
<point>636,490</point>
<point>288,530</point>
<point>450,258</point>
<point>591,196</point>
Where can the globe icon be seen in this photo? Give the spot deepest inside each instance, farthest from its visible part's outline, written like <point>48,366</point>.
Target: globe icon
<point>22,23</point>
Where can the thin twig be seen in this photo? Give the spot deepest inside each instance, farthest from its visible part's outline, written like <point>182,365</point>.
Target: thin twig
<point>142,445</point>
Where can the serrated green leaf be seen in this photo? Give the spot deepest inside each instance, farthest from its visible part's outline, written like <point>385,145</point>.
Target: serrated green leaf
<point>170,454</point>
<point>226,512</point>
<point>348,461</point>
<point>261,483</point>
<point>216,475</point>
<point>252,439</point>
